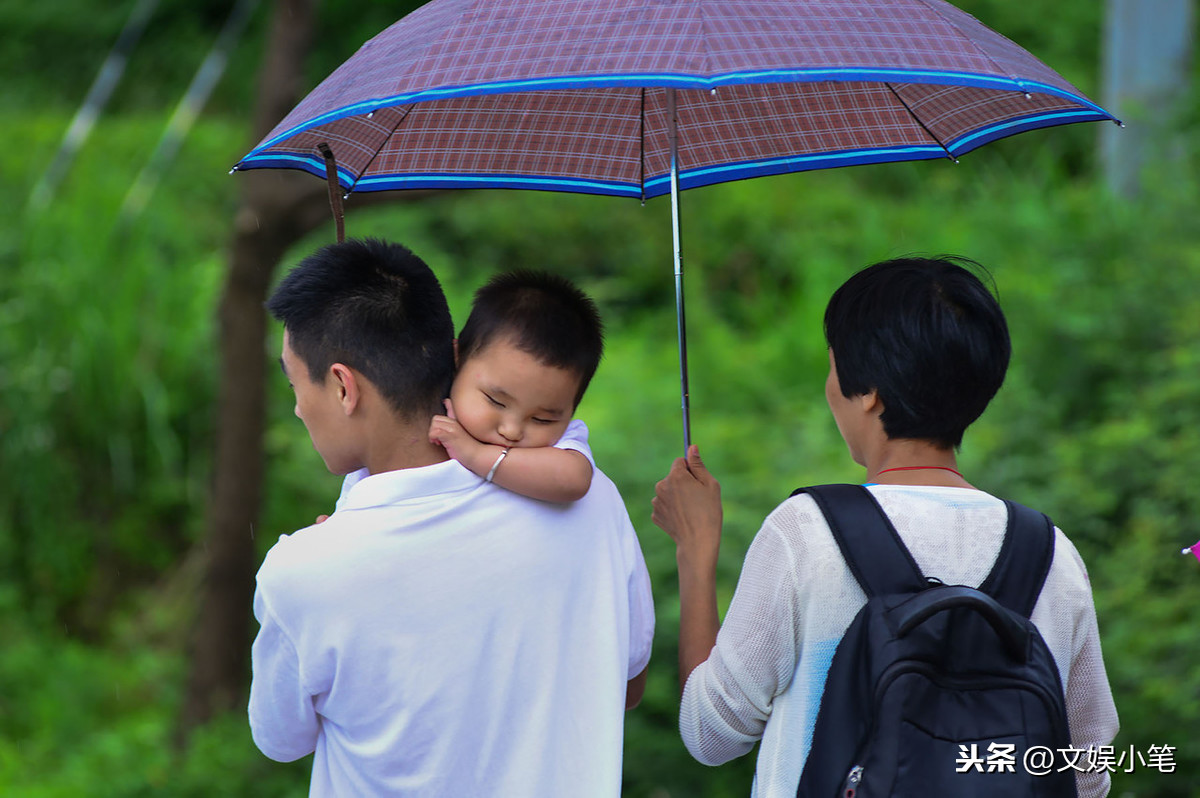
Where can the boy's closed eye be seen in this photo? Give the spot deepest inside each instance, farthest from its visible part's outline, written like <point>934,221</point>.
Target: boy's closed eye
<point>496,402</point>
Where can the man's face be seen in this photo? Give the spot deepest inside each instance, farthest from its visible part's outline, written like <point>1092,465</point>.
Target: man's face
<point>318,406</point>
<point>503,395</point>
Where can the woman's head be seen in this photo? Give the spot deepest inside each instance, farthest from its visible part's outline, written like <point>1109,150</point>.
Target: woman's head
<point>928,337</point>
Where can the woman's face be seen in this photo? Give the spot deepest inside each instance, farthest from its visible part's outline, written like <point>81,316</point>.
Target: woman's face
<point>847,412</point>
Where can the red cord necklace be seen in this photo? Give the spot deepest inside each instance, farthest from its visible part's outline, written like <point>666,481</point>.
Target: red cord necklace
<point>922,468</point>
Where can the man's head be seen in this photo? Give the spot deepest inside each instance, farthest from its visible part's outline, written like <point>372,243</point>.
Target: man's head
<point>529,349</point>
<point>928,337</point>
<point>373,309</point>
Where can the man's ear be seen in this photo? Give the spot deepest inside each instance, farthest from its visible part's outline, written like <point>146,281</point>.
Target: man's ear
<point>346,383</point>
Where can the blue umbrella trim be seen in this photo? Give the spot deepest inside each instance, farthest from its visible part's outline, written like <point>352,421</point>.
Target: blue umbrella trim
<point>681,82</point>
<point>965,144</point>
<point>692,178</point>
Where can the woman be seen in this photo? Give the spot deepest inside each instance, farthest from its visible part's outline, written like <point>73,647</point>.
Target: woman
<point>917,349</point>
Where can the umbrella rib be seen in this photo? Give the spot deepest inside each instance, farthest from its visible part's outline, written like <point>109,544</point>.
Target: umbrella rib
<point>978,48</point>
<point>642,147</point>
<point>392,132</point>
<point>917,119</point>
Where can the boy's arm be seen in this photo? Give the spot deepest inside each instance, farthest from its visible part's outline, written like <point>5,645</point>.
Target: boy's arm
<point>545,472</point>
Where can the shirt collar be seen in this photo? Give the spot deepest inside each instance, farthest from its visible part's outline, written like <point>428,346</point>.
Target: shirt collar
<point>409,484</point>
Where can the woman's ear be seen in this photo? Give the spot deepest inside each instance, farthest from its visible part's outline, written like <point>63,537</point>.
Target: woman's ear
<point>870,402</point>
<point>455,342</point>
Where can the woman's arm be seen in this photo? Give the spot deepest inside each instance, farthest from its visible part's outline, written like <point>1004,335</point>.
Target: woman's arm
<point>687,506</point>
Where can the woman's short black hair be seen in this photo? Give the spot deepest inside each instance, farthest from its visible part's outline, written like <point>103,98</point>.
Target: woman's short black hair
<point>376,307</point>
<point>928,337</point>
<point>544,315</point>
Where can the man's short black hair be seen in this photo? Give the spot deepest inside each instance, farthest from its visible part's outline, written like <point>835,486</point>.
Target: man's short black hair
<point>542,314</point>
<point>376,307</point>
<point>928,336</point>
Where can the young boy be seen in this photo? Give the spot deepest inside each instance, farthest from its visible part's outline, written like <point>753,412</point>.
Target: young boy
<point>525,357</point>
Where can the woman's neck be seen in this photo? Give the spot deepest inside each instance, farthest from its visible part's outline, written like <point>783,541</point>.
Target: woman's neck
<point>912,462</point>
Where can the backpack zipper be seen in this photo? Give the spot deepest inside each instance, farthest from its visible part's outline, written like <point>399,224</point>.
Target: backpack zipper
<point>854,777</point>
<point>898,670</point>
<point>850,785</point>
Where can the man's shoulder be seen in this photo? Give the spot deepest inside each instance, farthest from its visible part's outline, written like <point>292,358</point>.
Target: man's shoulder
<point>304,553</point>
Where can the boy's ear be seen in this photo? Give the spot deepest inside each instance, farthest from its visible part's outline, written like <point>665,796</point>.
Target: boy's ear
<point>455,342</point>
<point>346,383</point>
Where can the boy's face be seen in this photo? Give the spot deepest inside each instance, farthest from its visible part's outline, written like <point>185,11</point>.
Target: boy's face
<point>318,407</point>
<point>504,396</point>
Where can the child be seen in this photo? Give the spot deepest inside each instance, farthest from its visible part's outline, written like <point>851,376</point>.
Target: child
<point>525,358</point>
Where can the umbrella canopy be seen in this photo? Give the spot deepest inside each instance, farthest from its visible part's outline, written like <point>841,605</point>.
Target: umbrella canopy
<point>572,95</point>
<point>643,97</point>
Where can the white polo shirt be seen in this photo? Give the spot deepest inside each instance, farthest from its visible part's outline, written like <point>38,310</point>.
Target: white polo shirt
<point>441,636</point>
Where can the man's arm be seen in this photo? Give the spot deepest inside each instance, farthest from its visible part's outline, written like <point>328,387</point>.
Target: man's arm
<point>635,689</point>
<point>283,722</point>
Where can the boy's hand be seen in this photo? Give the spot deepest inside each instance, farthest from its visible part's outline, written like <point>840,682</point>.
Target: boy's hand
<point>446,432</point>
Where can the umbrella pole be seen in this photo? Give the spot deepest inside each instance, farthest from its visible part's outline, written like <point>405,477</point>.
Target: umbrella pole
<point>673,136</point>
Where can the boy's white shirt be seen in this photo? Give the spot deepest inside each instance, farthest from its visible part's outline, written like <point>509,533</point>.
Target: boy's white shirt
<point>439,635</point>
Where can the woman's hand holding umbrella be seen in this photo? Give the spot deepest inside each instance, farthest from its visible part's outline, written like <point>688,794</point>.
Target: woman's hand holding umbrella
<point>687,506</point>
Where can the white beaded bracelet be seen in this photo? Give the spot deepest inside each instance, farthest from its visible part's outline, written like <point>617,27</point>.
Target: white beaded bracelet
<point>496,464</point>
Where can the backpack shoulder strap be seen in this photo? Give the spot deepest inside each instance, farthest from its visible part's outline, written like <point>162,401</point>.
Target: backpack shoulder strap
<point>869,543</point>
<point>1024,560</point>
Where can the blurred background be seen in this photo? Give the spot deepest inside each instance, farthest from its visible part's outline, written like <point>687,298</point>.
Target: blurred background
<point>149,455</point>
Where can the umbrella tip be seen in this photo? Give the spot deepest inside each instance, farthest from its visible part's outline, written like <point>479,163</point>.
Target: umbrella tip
<point>1028,96</point>
<point>234,169</point>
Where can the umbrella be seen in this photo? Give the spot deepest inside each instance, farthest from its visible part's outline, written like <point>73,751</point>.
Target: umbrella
<point>641,98</point>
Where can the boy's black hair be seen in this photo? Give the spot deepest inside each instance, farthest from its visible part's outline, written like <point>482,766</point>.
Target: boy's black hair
<point>544,315</point>
<point>376,307</point>
<point>928,336</point>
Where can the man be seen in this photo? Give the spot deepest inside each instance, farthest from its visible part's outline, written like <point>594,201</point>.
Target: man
<point>437,635</point>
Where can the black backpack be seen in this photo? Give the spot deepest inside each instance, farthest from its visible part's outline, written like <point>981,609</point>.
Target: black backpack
<point>938,690</point>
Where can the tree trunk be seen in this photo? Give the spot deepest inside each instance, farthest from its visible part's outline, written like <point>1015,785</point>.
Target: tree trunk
<point>277,208</point>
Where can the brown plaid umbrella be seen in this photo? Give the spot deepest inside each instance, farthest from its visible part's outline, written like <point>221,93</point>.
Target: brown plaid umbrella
<point>644,97</point>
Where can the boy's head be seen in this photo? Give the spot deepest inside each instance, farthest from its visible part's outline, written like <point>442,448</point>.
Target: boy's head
<point>535,338</point>
<point>928,337</point>
<point>373,307</point>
